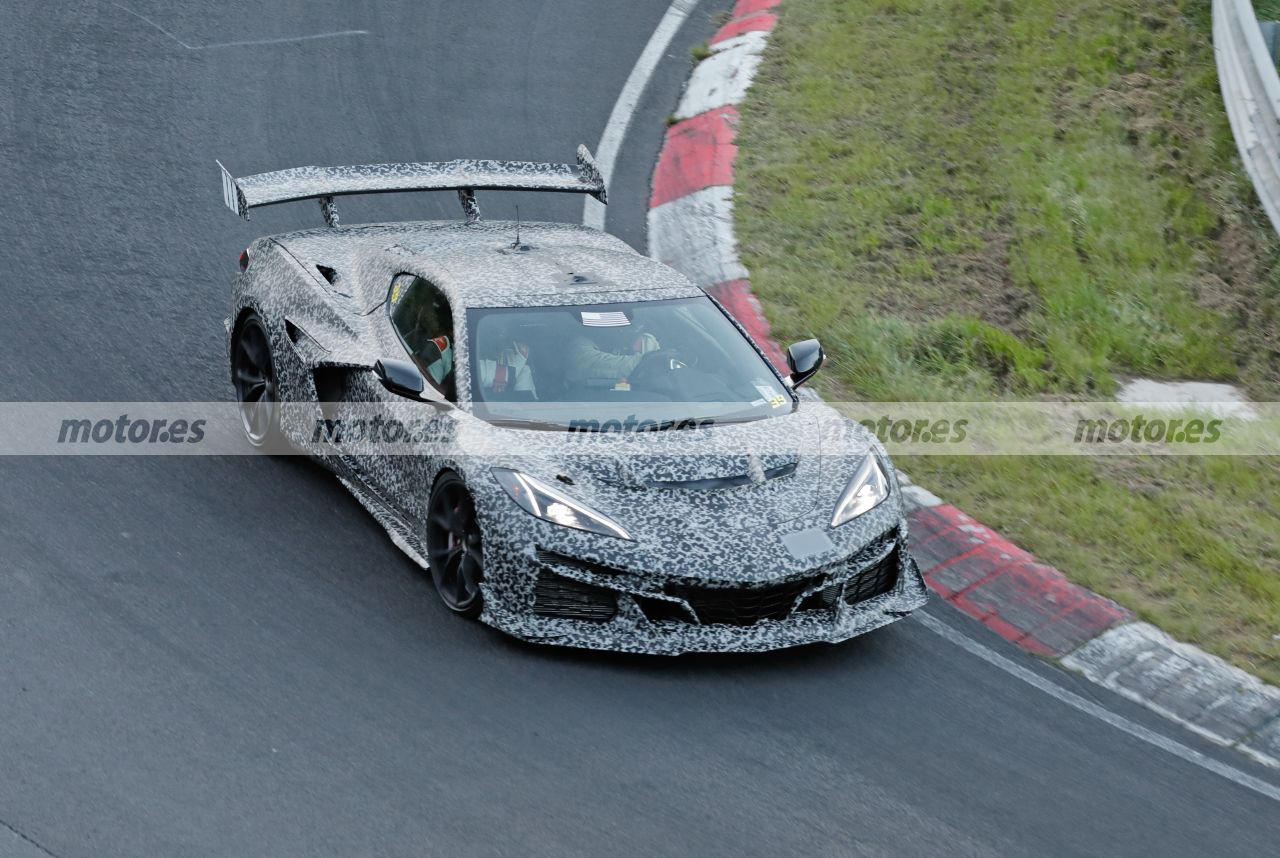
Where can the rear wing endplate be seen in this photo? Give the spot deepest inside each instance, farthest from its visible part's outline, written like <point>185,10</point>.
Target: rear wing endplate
<point>464,176</point>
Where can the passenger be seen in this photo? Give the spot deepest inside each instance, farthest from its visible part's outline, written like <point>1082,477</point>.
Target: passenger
<point>438,359</point>
<point>508,371</point>
<point>430,341</point>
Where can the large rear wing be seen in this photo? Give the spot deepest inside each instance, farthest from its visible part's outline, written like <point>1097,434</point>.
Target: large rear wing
<point>464,176</point>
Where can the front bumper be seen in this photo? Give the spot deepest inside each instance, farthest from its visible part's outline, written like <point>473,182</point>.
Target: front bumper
<point>631,629</point>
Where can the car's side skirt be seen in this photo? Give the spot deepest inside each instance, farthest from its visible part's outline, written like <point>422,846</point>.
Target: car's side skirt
<point>401,533</point>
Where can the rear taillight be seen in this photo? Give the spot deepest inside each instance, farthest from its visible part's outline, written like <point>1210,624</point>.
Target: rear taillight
<point>244,259</point>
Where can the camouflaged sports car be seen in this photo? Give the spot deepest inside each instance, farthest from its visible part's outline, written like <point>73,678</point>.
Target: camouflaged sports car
<point>581,445</point>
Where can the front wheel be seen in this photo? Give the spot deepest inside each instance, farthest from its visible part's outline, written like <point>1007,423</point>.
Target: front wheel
<point>454,552</point>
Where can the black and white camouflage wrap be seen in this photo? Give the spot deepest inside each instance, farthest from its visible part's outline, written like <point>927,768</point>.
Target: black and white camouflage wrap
<point>742,537</point>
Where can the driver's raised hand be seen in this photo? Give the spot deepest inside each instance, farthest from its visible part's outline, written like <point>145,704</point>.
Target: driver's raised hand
<point>645,343</point>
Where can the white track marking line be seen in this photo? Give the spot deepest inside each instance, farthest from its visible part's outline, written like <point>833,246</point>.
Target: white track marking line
<point>615,130</point>
<point>279,41</point>
<point>1102,714</point>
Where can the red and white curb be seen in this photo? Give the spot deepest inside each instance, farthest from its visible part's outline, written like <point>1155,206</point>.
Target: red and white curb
<point>966,563</point>
<point>691,209</point>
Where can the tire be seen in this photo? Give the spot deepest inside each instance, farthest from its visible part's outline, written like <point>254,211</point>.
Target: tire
<point>253,376</point>
<point>454,551</point>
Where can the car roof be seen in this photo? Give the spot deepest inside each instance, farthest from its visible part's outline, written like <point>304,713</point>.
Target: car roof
<point>482,265</point>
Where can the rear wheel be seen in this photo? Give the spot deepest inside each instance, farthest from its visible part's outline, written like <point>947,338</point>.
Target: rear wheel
<point>253,374</point>
<point>454,552</point>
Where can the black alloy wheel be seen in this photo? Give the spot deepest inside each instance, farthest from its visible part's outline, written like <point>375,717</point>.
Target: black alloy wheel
<point>253,375</point>
<point>453,546</point>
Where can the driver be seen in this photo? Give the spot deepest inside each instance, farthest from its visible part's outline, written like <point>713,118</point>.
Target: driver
<point>607,364</point>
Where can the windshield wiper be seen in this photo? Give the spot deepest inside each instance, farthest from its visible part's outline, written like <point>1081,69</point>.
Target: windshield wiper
<point>683,423</point>
<point>658,427</point>
<point>523,423</point>
<point>642,426</point>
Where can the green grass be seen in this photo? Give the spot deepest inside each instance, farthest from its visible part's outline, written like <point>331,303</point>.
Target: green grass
<point>973,199</point>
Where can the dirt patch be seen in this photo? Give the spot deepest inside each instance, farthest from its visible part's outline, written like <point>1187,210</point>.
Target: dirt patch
<point>977,284</point>
<point>1138,476</point>
<point>985,279</point>
<point>1239,258</point>
<point>1245,287</point>
<point>1214,293</point>
<point>1149,106</point>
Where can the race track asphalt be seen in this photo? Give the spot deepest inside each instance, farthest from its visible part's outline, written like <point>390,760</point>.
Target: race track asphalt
<point>226,656</point>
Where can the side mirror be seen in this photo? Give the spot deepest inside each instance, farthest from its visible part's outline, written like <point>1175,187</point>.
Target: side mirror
<point>804,358</point>
<point>401,378</point>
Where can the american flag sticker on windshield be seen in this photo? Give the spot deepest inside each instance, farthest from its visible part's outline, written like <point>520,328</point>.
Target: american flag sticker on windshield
<point>613,319</point>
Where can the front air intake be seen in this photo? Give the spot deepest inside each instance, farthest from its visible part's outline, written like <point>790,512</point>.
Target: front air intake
<point>557,596</point>
<point>743,605</point>
<point>875,580</point>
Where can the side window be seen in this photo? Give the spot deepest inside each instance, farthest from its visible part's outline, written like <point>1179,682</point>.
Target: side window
<point>422,318</point>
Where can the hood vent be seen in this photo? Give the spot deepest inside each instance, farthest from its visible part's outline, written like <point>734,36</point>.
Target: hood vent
<point>730,482</point>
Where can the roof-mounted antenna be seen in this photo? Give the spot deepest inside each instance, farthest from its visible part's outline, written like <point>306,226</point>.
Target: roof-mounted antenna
<point>517,244</point>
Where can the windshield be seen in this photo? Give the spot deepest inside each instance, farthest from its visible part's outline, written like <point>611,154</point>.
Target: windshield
<point>632,366</point>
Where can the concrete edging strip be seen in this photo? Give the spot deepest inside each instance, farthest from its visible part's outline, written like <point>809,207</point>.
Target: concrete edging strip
<point>1200,691</point>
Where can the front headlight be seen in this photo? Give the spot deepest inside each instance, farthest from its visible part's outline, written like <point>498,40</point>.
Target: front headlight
<point>539,499</point>
<point>867,489</point>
